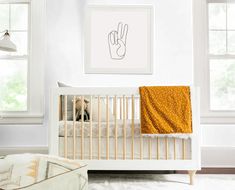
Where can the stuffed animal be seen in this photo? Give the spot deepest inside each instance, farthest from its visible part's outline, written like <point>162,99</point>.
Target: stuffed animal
<point>86,115</point>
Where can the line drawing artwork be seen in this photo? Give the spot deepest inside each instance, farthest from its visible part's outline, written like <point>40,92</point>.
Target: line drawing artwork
<point>117,42</point>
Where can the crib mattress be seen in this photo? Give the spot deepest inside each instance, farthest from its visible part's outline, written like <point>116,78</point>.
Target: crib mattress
<point>179,152</point>
<point>103,131</point>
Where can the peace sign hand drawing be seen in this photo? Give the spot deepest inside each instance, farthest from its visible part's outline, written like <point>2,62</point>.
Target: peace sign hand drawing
<point>117,41</point>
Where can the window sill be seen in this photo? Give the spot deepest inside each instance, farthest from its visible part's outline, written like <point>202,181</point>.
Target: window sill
<point>21,119</point>
<point>217,119</point>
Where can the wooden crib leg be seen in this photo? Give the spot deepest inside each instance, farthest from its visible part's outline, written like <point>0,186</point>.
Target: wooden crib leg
<point>191,176</point>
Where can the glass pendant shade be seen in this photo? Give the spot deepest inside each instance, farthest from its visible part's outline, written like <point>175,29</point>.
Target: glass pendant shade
<point>6,44</point>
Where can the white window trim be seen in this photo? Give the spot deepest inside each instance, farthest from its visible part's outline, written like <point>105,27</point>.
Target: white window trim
<point>35,112</point>
<point>201,65</point>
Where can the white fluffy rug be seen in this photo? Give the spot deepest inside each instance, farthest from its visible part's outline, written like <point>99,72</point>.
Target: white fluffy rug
<point>159,182</point>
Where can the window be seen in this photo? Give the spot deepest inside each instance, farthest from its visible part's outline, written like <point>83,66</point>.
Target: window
<point>221,54</point>
<point>14,66</point>
<point>214,59</point>
<point>21,72</point>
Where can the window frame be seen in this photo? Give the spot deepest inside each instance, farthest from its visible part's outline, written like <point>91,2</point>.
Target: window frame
<point>20,57</point>
<point>202,65</point>
<point>35,75</point>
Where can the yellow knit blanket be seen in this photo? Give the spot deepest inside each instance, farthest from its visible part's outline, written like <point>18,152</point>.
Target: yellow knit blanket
<point>165,109</point>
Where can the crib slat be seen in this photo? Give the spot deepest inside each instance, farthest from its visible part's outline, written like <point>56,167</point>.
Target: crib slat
<point>74,129</point>
<point>107,127</point>
<point>113,105</point>
<point>141,147</point>
<point>174,148</point>
<point>132,126</point>
<point>183,149</point>
<point>91,135</point>
<point>61,117</point>
<point>82,128</point>
<point>124,129</point>
<point>166,147</point>
<point>65,128</point>
<point>150,148</point>
<point>120,107</point>
<point>141,138</point>
<point>99,127</point>
<point>158,144</point>
<point>127,114</point>
<point>115,120</point>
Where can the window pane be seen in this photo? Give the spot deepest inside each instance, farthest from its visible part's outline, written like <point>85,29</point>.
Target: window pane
<point>19,17</point>
<point>231,16</point>
<point>217,15</point>
<point>13,88</point>
<point>222,84</point>
<point>21,41</point>
<point>4,17</point>
<point>231,42</point>
<point>217,42</point>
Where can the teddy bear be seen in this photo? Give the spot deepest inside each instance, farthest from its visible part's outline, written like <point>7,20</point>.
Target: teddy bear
<point>86,115</point>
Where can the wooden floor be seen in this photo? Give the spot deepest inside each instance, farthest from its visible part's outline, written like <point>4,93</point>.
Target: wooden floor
<point>212,171</point>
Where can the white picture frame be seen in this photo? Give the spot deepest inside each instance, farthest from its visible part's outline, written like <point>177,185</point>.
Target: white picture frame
<point>119,39</point>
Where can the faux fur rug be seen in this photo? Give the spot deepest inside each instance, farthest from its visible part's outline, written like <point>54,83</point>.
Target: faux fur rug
<point>159,182</point>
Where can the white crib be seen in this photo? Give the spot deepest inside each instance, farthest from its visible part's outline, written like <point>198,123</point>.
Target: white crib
<point>114,141</point>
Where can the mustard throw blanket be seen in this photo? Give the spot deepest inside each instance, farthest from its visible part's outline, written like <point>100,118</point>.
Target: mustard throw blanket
<point>165,109</point>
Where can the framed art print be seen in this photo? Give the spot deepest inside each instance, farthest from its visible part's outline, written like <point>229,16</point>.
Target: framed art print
<point>119,39</point>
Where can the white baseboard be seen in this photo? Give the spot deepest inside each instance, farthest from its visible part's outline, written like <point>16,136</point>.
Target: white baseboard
<point>218,157</point>
<point>212,156</point>
<point>19,150</point>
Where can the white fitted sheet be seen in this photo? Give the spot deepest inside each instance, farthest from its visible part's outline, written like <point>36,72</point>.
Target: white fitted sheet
<point>103,125</point>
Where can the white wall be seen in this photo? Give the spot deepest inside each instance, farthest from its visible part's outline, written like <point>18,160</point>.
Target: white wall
<point>64,60</point>
<point>218,146</point>
<point>173,46</point>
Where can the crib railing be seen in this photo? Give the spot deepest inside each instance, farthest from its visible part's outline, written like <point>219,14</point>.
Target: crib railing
<point>123,107</point>
<point>105,144</point>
